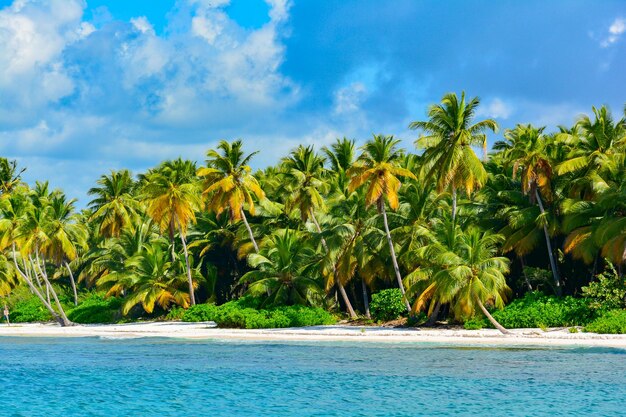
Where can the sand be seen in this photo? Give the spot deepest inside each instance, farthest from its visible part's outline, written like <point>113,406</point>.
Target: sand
<point>199,331</point>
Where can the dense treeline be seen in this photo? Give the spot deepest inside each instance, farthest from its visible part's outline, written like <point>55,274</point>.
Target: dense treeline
<point>458,233</point>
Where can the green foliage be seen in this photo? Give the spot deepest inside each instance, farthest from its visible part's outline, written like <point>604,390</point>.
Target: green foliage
<point>613,322</point>
<point>97,309</point>
<point>608,292</point>
<point>387,305</point>
<point>29,310</point>
<point>241,314</point>
<point>536,309</point>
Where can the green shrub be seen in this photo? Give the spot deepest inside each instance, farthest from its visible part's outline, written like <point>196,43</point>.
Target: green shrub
<point>96,309</point>
<point>29,310</point>
<point>237,314</point>
<point>538,310</point>
<point>387,305</point>
<point>475,323</point>
<point>608,292</point>
<point>612,322</point>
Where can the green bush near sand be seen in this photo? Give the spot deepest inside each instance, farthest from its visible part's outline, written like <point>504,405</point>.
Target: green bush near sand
<point>239,314</point>
<point>29,310</point>
<point>539,310</point>
<point>387,305</point>
<point>96,309</point>
<point>612,322</point>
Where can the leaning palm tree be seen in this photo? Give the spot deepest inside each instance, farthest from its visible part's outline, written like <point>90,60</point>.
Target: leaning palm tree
<point>284,271</point>
<point>229,184</point>
<point>528,156</point>
<point>448,137</point>
<point>67,236</point>
<point>377,168</point>
<point>114,206</point>
<point>171,195</point>
<point>463,269</point>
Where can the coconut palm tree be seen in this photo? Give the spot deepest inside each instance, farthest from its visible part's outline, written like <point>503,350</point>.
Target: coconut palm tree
<point>527,154</point>
<point>592,143</point>
<point>285,271</point>
<point>115,207</point>
<point>149,278</point>
<point>172,197</point>
<point>66,236</point>
<point>304,171</point>
<point>448,137</point>
<point>377,168</point>
<point>229,184</point>
<point>462,269</point>
<point>10,177</point>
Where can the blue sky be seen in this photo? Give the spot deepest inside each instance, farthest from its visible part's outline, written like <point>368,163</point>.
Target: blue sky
<point>90,86</point>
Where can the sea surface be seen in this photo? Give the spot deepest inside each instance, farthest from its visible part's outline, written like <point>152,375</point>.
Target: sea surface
<point>52,377</point>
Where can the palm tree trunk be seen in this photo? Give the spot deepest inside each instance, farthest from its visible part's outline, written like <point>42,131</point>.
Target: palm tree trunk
<point>44,275</point>
<point>342,290</point>
<point>453,204</point>
<point>396,268</point>
<point>73,283</point>
<point>35,271</point>
<point>366,301</point>
<point>245,220</point>
<point>490,317</point>
<point>521,259</point>
<point>432,319</point>
<point>34,290</point>
<point>192,297</point>
<point>555,273</point>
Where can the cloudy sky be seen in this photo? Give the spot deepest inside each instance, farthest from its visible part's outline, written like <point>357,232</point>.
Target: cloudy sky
<point>90,86</point>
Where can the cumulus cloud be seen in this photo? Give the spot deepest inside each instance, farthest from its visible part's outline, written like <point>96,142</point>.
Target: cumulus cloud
<point>495,108</point>
<point>617,28</point>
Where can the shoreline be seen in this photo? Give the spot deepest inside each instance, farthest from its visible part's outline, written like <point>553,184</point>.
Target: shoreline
<point>336,333</point>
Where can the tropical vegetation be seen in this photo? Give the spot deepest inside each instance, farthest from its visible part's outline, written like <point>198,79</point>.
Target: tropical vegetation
<point>531,233</point>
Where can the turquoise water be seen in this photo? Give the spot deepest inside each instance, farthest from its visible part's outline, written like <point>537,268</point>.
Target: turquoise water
<point>158,377</point>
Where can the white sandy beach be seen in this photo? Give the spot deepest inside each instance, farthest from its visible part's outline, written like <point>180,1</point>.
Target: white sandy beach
<point>484,337</point>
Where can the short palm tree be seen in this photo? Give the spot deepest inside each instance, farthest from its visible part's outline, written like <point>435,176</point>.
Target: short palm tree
<point>448,137</point>
<point>285,271</point>
<point>229,184</point>
<point>172,197</point>
<point>463,269</point>
<point>378,168</point>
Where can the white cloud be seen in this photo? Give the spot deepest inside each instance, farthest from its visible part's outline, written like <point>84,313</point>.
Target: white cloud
<point>617,28</point>
<point>348,99</point>
<point>142,24</point>
<point>495,108</point>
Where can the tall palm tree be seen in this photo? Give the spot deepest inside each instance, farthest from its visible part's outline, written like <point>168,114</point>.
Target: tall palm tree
<point>114,206</point>
<point>304,171</point>
<point>377,167</point>
<point>67,236</point>
<point>9,176</point>
<point>172,196</point>
<point>527,153</point>
<point>341,156</point>
<point>285,271</point>
<point>229,183</point>
<point>448,137</point>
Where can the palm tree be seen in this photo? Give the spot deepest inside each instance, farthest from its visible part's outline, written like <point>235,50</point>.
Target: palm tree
<point>9,176</point>
<point>114,206</point>
<point>172,196</point>
<point>341,156</point>
<point>66,234</point>
<point>378,167</point>
<point>527,153</point>
<point>592,144</point>
<point>150,278</point>
<point>463,269</point>
<point>229,183</point>
<point>285,271</point>
<point>448,139</point>
<point>304,171</point>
